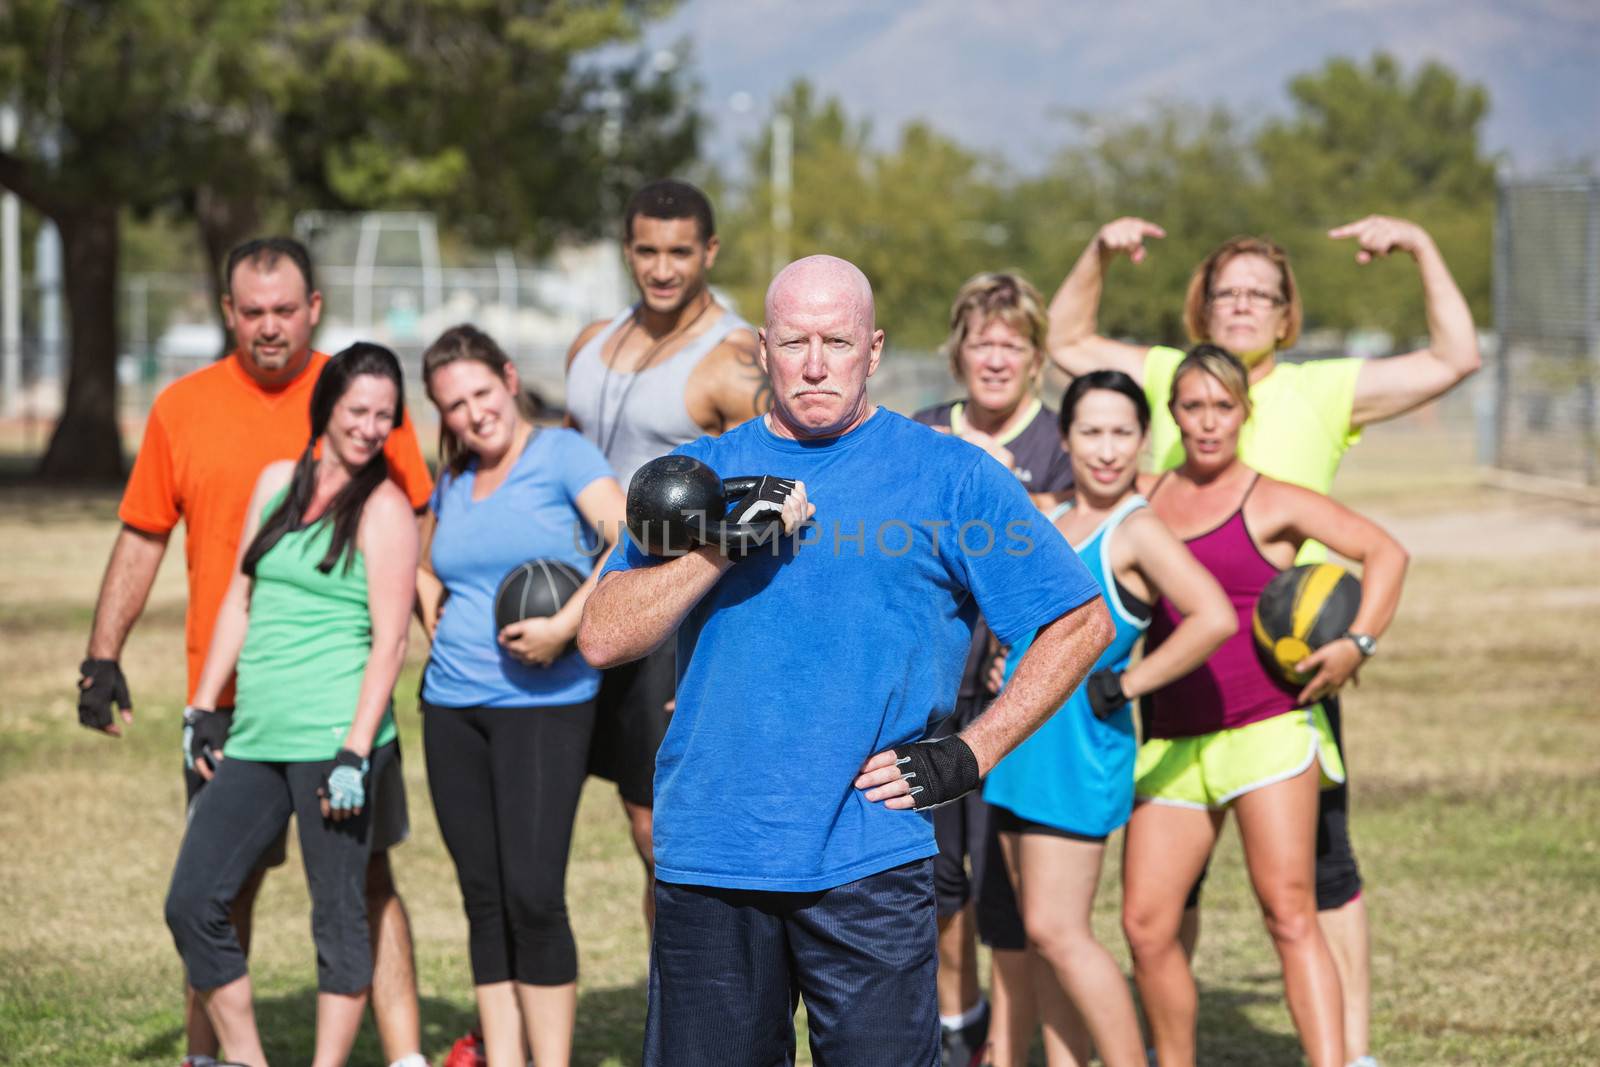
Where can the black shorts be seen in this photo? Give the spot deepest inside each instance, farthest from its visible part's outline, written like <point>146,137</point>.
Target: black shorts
<point>968,865</point>
<point>1007,821</point>
<point>631,719</point>
<point>393,817</point>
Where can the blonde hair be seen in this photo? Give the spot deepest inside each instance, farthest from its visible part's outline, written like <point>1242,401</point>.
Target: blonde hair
<point>1011,298</point>
<point>1228,370</point>
<point>1195,314</point>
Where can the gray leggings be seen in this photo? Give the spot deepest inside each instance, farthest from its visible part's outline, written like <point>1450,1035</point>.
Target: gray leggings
<point>234,819</point>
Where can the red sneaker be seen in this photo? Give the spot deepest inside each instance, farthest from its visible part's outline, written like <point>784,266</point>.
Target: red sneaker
<point>467,1052</point>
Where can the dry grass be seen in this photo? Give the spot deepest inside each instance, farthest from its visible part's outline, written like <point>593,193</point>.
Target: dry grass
<point>1476,813</point>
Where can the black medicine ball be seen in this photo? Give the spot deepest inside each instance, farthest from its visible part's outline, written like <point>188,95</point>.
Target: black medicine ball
<point>1301,610</point>
<point>535,589</point>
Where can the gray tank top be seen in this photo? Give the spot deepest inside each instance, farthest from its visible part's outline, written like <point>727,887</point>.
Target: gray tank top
<point>633,418</point>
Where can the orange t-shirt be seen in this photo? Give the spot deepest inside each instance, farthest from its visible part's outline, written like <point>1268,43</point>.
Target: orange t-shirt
<point>209,436</point>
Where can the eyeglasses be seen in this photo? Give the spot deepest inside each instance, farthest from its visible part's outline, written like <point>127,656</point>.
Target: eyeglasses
<point>1256,298</point>
<point>1004,349</point>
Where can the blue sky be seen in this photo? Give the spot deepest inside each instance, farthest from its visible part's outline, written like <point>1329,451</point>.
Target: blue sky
<point>997,75</point>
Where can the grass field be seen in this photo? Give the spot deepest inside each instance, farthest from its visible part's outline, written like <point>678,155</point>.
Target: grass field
<point>1476,812</point>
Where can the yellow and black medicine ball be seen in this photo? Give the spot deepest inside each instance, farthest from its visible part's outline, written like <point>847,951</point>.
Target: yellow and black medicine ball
<point>1301,610</point>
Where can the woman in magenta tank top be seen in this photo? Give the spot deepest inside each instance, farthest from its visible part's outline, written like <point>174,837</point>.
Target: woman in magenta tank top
<point>1228,735</point>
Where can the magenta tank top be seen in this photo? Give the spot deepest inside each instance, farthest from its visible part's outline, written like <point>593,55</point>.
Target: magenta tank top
<point>1231,688</point>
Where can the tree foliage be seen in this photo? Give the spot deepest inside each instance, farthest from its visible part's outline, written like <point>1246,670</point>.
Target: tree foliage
<point>227,111</point>
<point>1358,139</point>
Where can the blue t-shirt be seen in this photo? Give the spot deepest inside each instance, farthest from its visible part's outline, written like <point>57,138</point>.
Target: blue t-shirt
<point>798,666</point>
<point>533,514</point>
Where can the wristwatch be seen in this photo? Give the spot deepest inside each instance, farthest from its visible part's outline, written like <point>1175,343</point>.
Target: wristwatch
<point>1365,644</point>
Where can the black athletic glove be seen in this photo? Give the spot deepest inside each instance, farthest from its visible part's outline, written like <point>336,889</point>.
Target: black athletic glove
<point>204,734</point>
<point>762,505</point>
<point>937,771</point>
<point>106,686</point>
<point>1106,697</point>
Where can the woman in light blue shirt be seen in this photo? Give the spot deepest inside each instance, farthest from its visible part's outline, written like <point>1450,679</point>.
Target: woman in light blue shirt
<point>507,713</point>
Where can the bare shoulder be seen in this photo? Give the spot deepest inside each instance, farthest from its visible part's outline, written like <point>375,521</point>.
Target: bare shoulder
<point>388,505</point>
<point>275,475</point>
<point>585,335</point>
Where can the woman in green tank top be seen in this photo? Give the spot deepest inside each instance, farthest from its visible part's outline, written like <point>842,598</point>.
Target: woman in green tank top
<point>315,620</point>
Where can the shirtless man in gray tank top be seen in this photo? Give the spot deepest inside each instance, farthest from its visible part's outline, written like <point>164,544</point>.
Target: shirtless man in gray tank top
<point>674,366</point>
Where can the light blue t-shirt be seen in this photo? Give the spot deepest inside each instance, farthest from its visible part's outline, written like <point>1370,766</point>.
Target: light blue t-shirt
<point>533,514</point>
<point>798,666</point>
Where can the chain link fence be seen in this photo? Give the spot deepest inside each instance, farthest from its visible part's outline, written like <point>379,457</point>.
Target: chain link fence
<point>1547,311</point>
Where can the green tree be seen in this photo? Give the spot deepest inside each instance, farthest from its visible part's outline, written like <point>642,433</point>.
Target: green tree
<point>227,110</point>
<point>916,217</point>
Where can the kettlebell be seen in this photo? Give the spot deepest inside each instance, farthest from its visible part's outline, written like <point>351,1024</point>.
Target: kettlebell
<point>677,503</point>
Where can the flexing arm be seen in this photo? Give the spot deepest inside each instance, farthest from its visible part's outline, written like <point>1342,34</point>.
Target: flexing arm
<point>1390,387</point>
<point>1054,665</point>
<point>1172,572</point>
<point>1073,343</point>
<point>131,571</point>
<point>542,641</point>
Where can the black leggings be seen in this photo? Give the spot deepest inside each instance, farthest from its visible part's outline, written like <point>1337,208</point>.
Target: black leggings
<point>505,785</point>
<point>233,821</point>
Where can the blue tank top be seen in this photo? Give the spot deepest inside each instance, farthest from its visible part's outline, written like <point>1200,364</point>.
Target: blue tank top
<point>1075,772</point>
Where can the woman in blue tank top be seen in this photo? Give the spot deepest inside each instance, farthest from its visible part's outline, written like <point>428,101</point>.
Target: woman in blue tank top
<point>507,713</point>
<point>1064,790</point>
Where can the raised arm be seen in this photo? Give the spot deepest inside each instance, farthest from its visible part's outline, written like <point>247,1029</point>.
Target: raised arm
<point>1390,387</point>
<point>630,613</point>
<point>131,571</point>
<point>1171,571</point>
<point>1074,344</point>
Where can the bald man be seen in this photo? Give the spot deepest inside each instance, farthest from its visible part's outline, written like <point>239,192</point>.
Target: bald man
<point>792,858</point>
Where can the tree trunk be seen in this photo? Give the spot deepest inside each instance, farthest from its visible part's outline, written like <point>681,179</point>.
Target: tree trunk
<point>224,221</point>
<point>86,445</point>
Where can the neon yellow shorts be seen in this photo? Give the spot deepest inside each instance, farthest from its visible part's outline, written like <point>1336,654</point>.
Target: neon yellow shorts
<point>1213,770</point>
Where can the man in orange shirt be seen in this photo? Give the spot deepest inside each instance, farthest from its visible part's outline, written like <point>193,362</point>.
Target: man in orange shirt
<point>208,436</point>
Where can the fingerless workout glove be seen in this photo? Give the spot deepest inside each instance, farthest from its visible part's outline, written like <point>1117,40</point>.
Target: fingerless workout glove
<point>345,783</point>
<point>106,686</point>
<point>204,734</point>
<point>1106,697</point>
<point>937,771</point>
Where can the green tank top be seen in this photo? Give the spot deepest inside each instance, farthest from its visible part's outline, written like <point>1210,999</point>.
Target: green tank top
<point>304,654</point>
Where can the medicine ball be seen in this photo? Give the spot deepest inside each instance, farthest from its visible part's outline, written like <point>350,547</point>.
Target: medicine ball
<point>532,590</point>
<point>1301,610</point>
<point>671,502</point>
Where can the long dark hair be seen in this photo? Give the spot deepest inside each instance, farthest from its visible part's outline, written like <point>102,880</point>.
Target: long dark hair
<point>1113,380</point>
<point>344,512</point>
<point>467,342</point>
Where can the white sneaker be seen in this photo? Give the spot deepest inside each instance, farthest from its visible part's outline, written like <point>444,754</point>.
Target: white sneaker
<point>1364,1061</point>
